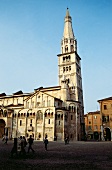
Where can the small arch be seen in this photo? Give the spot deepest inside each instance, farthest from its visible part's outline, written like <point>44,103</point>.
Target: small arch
<point>72,48</point>
<point>62,116</point>
<point>45,114</point>
<point>52,114</point>
<point>5,113</point>
<point>59,116</point>
<point>66,49</point>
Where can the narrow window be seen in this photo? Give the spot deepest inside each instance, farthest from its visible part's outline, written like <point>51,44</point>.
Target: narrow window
<point>95,117</point>
<point>105,107</point>
<point>71,117</point>
<point>49,121</point>
<point>66,68</point>
<point>59,122</point>
<point>20,122</point>
<point>69,68</point>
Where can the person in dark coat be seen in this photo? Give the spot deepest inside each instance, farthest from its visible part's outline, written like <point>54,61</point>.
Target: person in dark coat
<point>30,141</point>
<point>46,142</point>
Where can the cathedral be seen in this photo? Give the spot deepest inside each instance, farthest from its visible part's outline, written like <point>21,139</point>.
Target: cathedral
<point>56,112</point>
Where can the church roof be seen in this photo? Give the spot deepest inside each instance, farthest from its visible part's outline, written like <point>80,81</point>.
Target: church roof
<point>18,92</point>
<point>2,94</point>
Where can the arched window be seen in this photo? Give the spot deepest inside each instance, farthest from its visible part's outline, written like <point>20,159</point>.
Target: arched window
<point>62,116</point>
<point>66,49</point>
<point>45,114</point>
<point>59,116</point>
<point>66,68</point>
<point>69,68</point>
<point>72,48</point>
<point>72,109</point>
<point>5,113</point>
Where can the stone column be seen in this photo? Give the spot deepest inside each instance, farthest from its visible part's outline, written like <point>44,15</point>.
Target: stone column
<point>43,129</point>
<point>76,123</point>
<point>35,126</point>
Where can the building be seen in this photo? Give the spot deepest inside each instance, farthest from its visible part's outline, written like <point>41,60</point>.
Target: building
<point>106,117</point>
<point>53,111</point>
<point>93,125</point>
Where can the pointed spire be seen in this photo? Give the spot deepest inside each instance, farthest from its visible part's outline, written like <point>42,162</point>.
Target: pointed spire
<point>68,31</point>
<point>68,43</point>
<point>67,13</point>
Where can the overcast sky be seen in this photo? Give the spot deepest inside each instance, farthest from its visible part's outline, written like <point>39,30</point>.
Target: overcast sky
<point>30,38</point>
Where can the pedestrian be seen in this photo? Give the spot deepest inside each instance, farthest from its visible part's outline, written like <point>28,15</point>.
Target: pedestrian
<point>6,139</point>
<point>25,142</point>
<point>14,148</point>
<point>22,145</point>
<point>66,140</point>
<point>30,141</point>
<point>46,142</point>
<point>3,137</point>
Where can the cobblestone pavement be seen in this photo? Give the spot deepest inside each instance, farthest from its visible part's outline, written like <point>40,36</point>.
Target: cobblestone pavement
<point>73,156</point>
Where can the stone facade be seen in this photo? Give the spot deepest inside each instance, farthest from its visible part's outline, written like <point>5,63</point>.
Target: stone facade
<point>53,111</point>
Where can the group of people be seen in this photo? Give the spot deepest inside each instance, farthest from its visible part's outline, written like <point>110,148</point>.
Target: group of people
<point>21,148</point>
<point>23,144</point>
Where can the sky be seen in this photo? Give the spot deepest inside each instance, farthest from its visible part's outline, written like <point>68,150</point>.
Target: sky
<point>30,40</point>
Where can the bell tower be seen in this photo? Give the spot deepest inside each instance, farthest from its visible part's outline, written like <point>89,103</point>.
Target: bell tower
<point>69,66</point>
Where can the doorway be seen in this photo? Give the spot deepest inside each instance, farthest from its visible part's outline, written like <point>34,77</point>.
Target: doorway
<point>2,128</point>
<point>107,134</point>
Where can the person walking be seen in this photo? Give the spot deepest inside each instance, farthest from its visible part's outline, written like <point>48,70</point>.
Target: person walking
<point>46,143</point>
<point>30,141</point>
<point>22,145</point>
<point>6,139</point>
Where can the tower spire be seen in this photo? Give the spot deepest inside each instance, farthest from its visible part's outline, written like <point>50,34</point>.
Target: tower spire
<point>68,31</point>
<point>68,43</point>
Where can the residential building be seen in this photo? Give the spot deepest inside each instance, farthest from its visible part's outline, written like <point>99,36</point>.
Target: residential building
<point>53,111</point>
<point>106,117</point>
<point>93,125</point>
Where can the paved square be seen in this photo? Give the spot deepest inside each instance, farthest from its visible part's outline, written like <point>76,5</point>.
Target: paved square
<point>78,155</point>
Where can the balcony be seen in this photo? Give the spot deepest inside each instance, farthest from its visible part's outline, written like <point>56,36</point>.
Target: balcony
<point>30,128</point>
